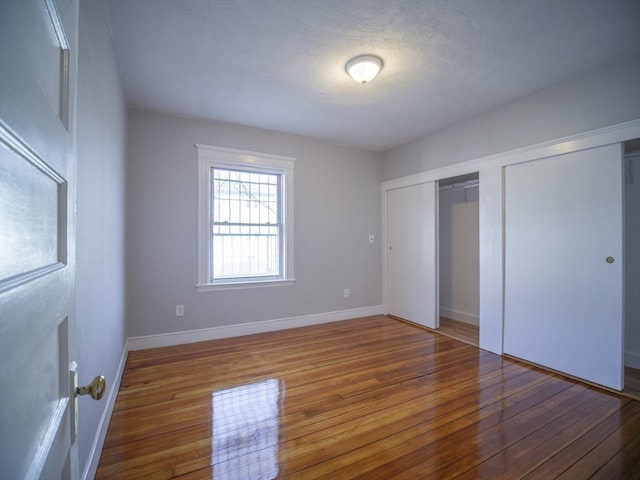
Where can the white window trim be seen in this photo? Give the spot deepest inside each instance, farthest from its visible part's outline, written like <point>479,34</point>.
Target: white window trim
<point>208,155</point>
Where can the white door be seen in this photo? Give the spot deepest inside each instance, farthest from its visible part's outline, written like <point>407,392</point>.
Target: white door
<point>411,278</point>
<point>37,84</point>
<point>564,265</point>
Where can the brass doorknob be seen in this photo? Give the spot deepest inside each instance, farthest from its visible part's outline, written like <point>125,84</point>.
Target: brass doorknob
<point>96,388</point>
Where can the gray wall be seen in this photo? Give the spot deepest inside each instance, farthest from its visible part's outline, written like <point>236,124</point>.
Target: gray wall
<point>597,99</point>
<point>336,207</point>
<point>101,149</point>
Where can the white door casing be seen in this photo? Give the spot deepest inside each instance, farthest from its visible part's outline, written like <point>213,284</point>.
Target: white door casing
<point>38,41</point>
<point>563,300</point>
<point>411,254</point>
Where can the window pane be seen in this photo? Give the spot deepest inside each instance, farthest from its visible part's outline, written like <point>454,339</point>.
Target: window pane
<point>245,255</point>
<point>243,203</point>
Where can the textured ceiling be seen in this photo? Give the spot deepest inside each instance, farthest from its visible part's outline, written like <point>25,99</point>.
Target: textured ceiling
<point>279,64</point>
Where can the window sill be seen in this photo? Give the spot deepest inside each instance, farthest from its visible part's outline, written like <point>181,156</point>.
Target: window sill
<point>211,287</point>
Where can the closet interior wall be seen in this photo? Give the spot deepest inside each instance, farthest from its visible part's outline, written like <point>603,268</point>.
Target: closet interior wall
<point>458,247</point>
<point>632,253</point>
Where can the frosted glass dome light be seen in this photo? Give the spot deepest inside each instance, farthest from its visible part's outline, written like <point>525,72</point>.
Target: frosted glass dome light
<point>364,68</point>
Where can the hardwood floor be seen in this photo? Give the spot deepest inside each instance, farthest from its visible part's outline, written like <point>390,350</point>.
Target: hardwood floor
<point>470,334</point>
<point>460,330</point>
<point>632,382</point>
<point>371,398</point>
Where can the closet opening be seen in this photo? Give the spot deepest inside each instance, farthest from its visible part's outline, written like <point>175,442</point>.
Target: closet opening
<point>458,257</point>
<point>632,268</point>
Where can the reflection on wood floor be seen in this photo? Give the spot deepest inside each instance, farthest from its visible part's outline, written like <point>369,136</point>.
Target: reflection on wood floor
<point>469,333</point>
<point>370,398</point>
<point>460,330</point>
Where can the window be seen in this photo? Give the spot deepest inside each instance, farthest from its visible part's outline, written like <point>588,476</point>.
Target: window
<point>245,219</point>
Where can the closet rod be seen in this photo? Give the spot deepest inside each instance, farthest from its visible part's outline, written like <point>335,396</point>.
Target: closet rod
<point>467,184</point>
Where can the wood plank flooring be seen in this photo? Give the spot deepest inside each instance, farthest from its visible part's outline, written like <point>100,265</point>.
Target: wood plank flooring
<point>470,334</point>
<point>632,382</point>
<point>460,330</point>
<point>371,398</point>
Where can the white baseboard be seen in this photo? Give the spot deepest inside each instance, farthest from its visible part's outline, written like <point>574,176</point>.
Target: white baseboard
<point>215,333</point>
<point>96,449</point>
<point>632,359</point>
<point>460,316</point>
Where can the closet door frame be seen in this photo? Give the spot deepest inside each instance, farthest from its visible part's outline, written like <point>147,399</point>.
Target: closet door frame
<point>491,222</point>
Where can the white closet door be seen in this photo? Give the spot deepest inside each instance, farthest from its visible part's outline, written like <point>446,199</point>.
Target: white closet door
<point>563,297</point>
<point>411,284</point>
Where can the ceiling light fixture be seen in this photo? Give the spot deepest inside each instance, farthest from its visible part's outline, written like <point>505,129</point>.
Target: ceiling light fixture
<point>364,68</point>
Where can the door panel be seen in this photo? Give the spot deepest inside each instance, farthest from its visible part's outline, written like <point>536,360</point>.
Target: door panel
<point>411,283</point>
<point>37,74</point>
<point>563,301</point>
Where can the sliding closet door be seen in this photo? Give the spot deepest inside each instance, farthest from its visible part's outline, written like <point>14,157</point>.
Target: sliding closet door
<point>563,263</point>
<point>411,284</point>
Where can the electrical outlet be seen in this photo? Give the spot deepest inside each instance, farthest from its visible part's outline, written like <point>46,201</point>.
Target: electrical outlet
<point>346,293</point>
<point>179,310</point>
